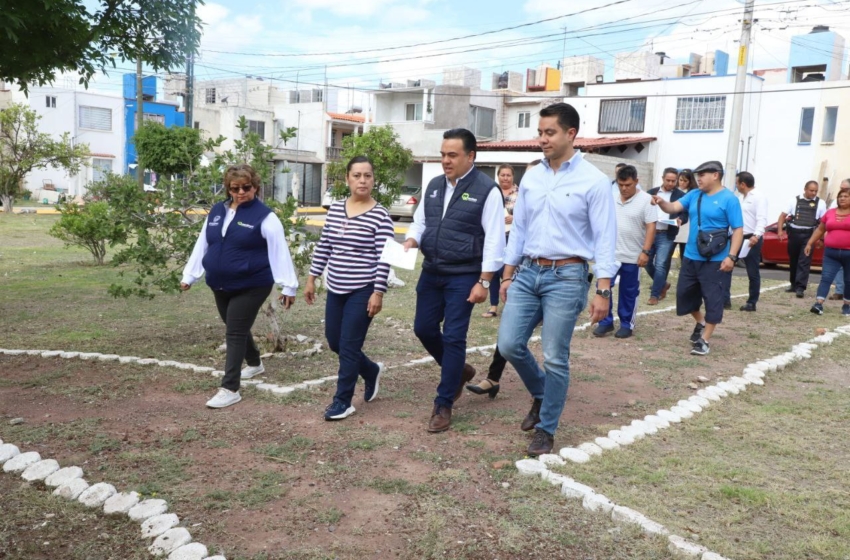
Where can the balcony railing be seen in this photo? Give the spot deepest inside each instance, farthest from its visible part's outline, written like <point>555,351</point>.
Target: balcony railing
<point>333,153</point>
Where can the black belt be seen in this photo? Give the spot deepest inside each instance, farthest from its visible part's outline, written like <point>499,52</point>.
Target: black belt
<point>748,235</point>
<point>803,230</point>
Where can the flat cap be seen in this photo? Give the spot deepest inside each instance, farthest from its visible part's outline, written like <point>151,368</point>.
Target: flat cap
<point>709,167</point>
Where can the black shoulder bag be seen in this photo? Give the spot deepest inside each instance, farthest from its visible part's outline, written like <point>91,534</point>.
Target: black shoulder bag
<point>709,242</point>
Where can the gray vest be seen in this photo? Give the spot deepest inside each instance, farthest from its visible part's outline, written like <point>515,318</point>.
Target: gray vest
<point>805,215</point>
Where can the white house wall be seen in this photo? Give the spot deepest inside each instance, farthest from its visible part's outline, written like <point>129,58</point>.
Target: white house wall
<point>311,125</point>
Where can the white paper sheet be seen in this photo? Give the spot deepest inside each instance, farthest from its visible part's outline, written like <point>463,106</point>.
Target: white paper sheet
<point>394,255</point>
<point>745,249</point>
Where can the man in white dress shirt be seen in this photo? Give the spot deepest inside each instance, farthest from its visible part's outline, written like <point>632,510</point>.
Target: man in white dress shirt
<point>754,209</point>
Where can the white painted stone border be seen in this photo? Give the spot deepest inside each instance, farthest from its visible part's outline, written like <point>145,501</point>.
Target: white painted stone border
<point>284,389</point>
<point>169,541</point>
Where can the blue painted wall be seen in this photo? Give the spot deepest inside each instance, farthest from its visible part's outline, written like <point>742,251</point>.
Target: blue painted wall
<point>721,63</point>
<point>170,113</point>
<point>812,49</point>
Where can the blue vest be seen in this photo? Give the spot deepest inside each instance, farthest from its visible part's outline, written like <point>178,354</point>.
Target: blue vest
<point>240,259</point>
<point>454,243</point>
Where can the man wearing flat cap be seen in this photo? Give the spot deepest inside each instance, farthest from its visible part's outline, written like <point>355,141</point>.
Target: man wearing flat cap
<point>716,234</point>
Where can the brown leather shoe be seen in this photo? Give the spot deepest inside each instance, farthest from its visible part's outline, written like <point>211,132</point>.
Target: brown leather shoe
<point>533,416</point>
<point>664,291</point>
<point>541,444</point>
<point>441,419</point>
<point>652,301</point>
<point>465,377</point>
<point>836,297</point>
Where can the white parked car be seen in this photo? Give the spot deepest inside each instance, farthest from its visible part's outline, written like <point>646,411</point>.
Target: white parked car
<point>406,203</point>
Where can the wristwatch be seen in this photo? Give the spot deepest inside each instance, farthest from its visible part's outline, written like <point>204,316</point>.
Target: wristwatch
<point>733,257</point>
<point>485,283</point>
<point>645,252</point>
<point>604,293</point>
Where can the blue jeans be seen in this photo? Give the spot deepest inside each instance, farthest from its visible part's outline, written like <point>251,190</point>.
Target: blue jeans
<point>346,323</point>
<point>659,262</point>
<point>556,296</point>
<point>628,291</point>
<point>834,261</point>
<point>839,282</point>
<point>442,299</point>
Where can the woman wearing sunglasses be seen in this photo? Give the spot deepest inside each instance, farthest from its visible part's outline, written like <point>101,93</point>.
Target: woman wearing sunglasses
<point>243,251</point>
<point>352,241</point>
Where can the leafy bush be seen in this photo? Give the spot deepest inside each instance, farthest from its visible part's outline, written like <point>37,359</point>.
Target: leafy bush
<point>91,226</point>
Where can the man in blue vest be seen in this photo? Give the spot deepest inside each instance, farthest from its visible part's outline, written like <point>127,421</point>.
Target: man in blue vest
<point>460,229</point>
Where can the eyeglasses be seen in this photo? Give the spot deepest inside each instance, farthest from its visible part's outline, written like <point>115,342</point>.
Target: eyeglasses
<point>243,188</point>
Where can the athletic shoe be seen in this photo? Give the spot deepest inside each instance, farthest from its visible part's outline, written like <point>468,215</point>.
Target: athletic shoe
<point>697,334</point>
<point>700,348</point>
<point>817,309</point>
<point>801,294</point>
<point>623,332</point>
<point>603,330</point>
<point>252,371</point>
<point>845,309</point>
<point>338,410</point>
<point>224,398</point>
<point>372,386</point>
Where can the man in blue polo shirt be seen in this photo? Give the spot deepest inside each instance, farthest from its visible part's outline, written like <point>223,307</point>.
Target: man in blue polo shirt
<point>716,212</point>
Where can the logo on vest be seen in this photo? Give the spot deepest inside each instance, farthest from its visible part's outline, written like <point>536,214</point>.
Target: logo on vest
<point>216,221</point>
<point>465,196</point>
<point>243,224</point>
<point>433,194</point>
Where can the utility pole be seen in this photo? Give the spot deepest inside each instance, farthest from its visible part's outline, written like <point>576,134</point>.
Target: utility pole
<point>189,98</point>
<point>738,98</point>
<point>140,118</point>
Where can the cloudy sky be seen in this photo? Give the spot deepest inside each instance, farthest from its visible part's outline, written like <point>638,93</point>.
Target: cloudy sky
<point>362,43</point>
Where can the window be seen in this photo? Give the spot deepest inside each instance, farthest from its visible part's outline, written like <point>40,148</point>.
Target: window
<point>481,121</point>
<point>807,121</point>
<point>700,113</point>
<point>197,125</point>
<point>258,128</point>
<point>151,117</point>
<point>830,118</point>
<point>209,95</point>
<point>524,120</point>
<point>96,118</point>
<point>413,112</point>
<point>622,115</point>
<point>318,95</point>
<point>100,167</point>
<point>51,101</point>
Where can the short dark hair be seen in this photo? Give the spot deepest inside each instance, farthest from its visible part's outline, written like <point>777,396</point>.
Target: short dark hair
<point>567,115</point>
<point>619,165</point>
<point>469,142</point>
<point>815,183</point>
<point>672,170</point>
<point>627,172</point>
<point>747,178</point>
<point>358,159</point>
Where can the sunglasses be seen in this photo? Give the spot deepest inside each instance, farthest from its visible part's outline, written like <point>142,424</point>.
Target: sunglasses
<point>243,188</point>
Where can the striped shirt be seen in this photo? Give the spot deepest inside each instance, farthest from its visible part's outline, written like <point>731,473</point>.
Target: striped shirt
<point>350,247</point>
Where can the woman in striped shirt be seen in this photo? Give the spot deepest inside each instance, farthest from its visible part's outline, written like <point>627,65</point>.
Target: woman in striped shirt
<point>355,232</point>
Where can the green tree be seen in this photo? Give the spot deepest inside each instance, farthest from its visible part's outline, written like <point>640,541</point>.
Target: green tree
<point>169,151</point>
<point>391,160</point>
<point>23,148</point>
<point>43,37</point>
<point>91,226</point>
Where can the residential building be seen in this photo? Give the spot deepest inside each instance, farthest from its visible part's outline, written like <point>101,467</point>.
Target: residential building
<point>166,113</point>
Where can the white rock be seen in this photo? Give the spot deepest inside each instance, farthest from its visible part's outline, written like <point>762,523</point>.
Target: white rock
<point>158,524</point>
<point>670,416</point>
<point>573,489</point>
<point>34,352</point>
<point>51,353</point>
<point>265,386</point>
<point>717,389</point>
<point>556,479</point>
<point>754,372</point>
<point>63,476</point>
<point>282,390</point>
<point>147,361</point>
<point>729,387</point>
<point>739,381</point>
<point>808,345</point>
<point>700,400</point>
<point>683,412</point>
<point>753,379</point>
<point>128,359</point>
<point>621,438</point>
<point>7,451</point>
<point>120,503</point>
<point>108,357</point>
<point>69,355</point>
<point>778,362</point>
<point>659,423</point>
<point>40,470</point>
<point>574,455</point>
<point>551,459</point>
<point>713,556</point>
<point>217,373</point>
<point>222,557</point>
<point>681,548</point>
<point>314,382</point>
<point>590,448</point>
<point>530,467</point>
<point>645,427</point>
<point>761,366</point>
<point>203,369</point>
<point>633,431</point>
<point>96,494</point>
<point>72,489</point>
<point>192,551</point>
<point>89,355</point>
<point>626,515</point>
<point>20,462</point>
<point>690,405</point>
<point>771,367</point>
<point>597,502</point>
<point>148,508</point>
<point>710,395</point>
<point>299,386</point>
<point>606,443</point>
<point>169,541</point>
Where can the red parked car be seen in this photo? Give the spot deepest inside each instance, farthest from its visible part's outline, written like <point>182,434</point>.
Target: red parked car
<point>775,252</point>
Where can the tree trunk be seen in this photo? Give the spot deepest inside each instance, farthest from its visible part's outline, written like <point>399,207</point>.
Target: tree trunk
<point>7,203</point>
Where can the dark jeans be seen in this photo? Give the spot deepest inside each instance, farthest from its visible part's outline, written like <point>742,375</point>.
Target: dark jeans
<point>442,299</point>
<point>346,323</point>
<point>753,260</point>
<point>834,260</point>
<point>800,262</point>
<point>497,366</point>
<point>239,310</point>
<point>494,287</point>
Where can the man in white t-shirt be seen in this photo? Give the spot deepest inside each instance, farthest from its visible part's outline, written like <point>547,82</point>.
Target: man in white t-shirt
<point>636,218</point>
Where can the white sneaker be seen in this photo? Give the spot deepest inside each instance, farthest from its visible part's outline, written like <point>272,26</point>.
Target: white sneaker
<point>224,398</point>
<point>252,371</point>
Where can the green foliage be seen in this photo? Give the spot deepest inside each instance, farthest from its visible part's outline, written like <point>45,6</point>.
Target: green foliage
<point>288,134</point>
<point>391,160</point>
<point>91,226</point>
<point>43,38</point>
<point>23,148</point>
<point>169,151</point>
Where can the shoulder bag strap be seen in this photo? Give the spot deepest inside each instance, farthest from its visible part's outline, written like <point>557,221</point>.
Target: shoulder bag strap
<point>699,212</point>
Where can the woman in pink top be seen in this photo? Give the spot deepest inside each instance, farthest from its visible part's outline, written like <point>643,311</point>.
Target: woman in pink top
<point>836,255</point>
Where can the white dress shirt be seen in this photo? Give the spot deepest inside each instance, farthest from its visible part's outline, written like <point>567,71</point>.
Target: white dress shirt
<point>492,220</point>
<point>754,208</point>
<point>280,260</point>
